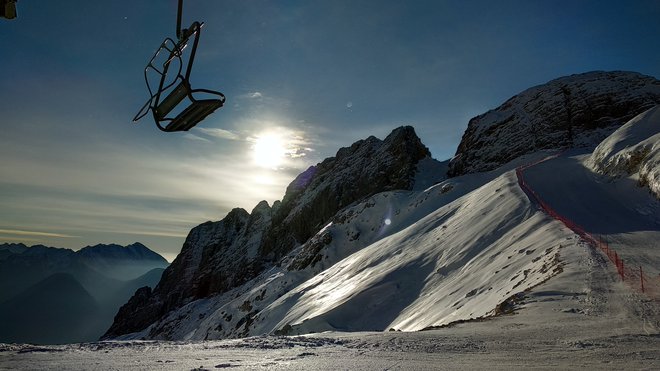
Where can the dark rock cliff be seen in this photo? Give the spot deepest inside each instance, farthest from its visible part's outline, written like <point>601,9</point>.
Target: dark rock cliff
<point>572,111</point>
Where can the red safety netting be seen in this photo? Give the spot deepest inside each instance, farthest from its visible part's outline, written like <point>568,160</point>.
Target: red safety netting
<point>633,275</point>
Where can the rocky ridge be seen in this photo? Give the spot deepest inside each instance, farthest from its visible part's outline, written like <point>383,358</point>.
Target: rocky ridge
<point>572,111</point>
<point>218,256</point>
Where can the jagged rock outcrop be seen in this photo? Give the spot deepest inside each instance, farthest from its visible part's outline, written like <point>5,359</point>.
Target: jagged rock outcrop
<point>218,256</point>
<point>215,256</point>
<point>367,167</point>
<point>572,111</point>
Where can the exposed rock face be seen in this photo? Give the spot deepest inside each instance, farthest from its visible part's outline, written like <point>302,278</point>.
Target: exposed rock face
<point>367,167</point>
<point>215,256</point>
<point>218,256</point>
<point>572,111</point>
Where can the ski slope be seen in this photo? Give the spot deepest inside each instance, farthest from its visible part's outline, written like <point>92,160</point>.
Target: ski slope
<point>617,210</point>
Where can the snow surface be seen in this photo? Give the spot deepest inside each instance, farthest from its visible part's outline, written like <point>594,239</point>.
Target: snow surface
<point>584,318</point>
<point>618,211</point>
<point>421,259</point>
<point>404,260</point>
<point>633,150</point>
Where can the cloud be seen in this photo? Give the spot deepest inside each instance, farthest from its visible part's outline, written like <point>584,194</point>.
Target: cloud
<point>17,232</point>
<point>195,137</point>
<point>252,95</point>
<point>218,133</point>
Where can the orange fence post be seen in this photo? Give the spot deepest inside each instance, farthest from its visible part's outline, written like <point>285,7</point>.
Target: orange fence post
<point>616,260</point>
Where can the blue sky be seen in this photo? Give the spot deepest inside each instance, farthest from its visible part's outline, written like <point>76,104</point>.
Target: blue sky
<point>316,75</point>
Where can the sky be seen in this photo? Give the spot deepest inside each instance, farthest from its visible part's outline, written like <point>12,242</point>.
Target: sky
<point>302,79</point>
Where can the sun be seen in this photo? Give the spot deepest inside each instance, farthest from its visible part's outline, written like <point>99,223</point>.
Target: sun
<point>269,150</point>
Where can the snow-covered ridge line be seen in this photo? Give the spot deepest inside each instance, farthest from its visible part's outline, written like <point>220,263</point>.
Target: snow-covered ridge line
<point>219,256</point>
<point>633,150</point>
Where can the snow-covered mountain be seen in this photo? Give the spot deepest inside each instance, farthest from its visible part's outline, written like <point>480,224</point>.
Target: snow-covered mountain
<point>54,295</point>
<point>219,256</point>
<point>378,238</point>
<point>633,150</point>
<point>403,260</point>
<point>572,111</point>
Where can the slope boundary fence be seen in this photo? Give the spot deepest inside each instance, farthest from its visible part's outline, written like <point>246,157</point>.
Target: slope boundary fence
<point>633,275</point>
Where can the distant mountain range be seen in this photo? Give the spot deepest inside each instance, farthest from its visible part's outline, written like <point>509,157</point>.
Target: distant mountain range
<point>52,295</point>
<point>382,236</point>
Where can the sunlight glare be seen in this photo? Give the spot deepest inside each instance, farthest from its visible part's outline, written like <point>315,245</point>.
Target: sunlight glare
<point>269,150</point>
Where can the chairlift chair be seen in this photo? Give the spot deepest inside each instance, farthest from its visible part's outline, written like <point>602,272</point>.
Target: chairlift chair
<point>8,9</point>
<point>180,88</point>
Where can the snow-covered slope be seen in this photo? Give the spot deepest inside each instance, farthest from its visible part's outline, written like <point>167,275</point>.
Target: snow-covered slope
<point>404,260</point>
<point>633,150</point>
<point>584,317</point>
<point>573,111</point>
<point>218,256</point>
<point>431,273</point>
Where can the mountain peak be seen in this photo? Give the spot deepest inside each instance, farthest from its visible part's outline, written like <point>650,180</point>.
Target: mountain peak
<point>135,252</point>
<point>572,111</point>
<point>14,248</point>
<point>366,167</point>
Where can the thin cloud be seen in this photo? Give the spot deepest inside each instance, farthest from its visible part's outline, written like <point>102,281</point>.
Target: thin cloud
<point>218,133</point>
<point>252,95</point>
<point>157,234</point>
<point>195,137</point>
<point>18,232</point>
<point>294,141</point>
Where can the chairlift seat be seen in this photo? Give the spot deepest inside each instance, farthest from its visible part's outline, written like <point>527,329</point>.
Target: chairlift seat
<point>193,114</point>
<point>172,100</point>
